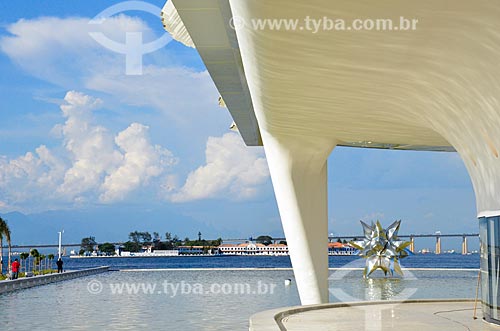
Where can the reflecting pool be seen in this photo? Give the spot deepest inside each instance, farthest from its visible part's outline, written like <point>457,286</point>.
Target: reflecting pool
<point>192,300</point>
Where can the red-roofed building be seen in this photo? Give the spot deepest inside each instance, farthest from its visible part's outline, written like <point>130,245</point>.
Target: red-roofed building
<point>251,248</point>
<point>338,248</point>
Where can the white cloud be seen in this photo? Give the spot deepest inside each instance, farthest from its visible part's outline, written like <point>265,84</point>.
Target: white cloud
<point>232,169</point>
<point>90,148</point>
<point>141,162</point>
<point>55,167</point>
<point>54,49</point>
<point>61,51</point>
<point>183,94</point>
<point>92,165</point>
<point>30,177</point>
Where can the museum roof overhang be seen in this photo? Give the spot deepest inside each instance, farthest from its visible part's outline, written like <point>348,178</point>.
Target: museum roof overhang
<point>364,88</point>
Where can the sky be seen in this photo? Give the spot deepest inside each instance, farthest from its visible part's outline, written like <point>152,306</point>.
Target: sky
<point>88,148</point>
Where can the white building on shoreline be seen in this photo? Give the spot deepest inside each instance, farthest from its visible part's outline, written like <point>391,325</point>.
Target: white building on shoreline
<point>252,248</point>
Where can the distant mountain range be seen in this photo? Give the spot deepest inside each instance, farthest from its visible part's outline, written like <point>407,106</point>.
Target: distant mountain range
<point>104,223</point>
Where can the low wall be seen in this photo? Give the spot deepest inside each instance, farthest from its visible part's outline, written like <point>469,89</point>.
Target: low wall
<point>25,282</point>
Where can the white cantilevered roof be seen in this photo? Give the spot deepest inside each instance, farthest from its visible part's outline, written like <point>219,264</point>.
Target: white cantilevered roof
<point>364,88</point>
<point>204,24</point>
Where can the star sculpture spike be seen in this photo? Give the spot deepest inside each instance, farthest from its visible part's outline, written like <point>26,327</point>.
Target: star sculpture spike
<point>381,248</point>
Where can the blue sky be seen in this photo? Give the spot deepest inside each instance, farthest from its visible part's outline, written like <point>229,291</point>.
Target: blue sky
<point>79,137</point>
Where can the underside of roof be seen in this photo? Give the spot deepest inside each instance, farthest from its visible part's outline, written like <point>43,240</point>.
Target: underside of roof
<point>369,89</point>
<point>205,25</point>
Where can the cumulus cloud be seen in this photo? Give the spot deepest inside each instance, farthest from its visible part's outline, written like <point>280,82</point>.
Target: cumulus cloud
<point>232,169</point>
<point>92,164</point>
<point>61,51</point>
<point>90,148</point>
<point>141,161</point>
<point>32,172</point>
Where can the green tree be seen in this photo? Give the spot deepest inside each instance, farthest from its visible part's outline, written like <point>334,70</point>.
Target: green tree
<point>23,256</point>
<point>36,255</point>
<point>107,248</point>
<point>88,244</point>
<point>143,238</point>
<point>266,240</point>
<point>156,240</point>
<point>146,238</point>
<point>4,232</point>
<point>169,242</point>
<point>131,246</point>
<point>43,262</point>
<point>51,258</point>
<point>135,236</point>
<point>283,242</point>
<point>157,244</point>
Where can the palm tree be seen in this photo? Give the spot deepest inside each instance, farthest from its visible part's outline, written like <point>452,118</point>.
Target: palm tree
<point>51,257</point>
<point>9,243</point>
<point>43,264</point>
<point>23,257</point>
<point>34,252</point>
<point>4,231</point>
<point>1,246</point>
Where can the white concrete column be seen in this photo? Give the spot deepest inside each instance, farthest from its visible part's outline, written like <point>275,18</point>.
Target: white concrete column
<point>297,158</point>
<point>469,120</point>
<point>298,169</point>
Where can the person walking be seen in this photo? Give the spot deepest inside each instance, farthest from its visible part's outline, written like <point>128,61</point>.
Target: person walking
<point>15,268</point>
<point>59,265</point>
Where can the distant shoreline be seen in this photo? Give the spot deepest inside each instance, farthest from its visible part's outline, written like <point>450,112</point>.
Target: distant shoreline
<point>137,256</point>
<point>217,255</point>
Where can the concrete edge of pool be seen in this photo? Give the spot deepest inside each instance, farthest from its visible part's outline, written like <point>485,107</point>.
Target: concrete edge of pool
<point>430,315</point>
<point>22,283</point>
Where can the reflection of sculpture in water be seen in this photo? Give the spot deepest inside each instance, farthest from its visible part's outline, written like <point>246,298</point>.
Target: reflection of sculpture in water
<point>382,288</point>
<point>381,248</point>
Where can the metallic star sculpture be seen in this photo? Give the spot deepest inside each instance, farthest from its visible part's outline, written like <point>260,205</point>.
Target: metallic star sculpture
<point>381,248</point>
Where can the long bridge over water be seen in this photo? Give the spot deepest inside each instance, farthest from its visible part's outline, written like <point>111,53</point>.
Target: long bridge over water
<point>411,238</point>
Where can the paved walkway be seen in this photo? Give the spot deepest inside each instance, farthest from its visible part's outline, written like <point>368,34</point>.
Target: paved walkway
<point>383,316</point>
